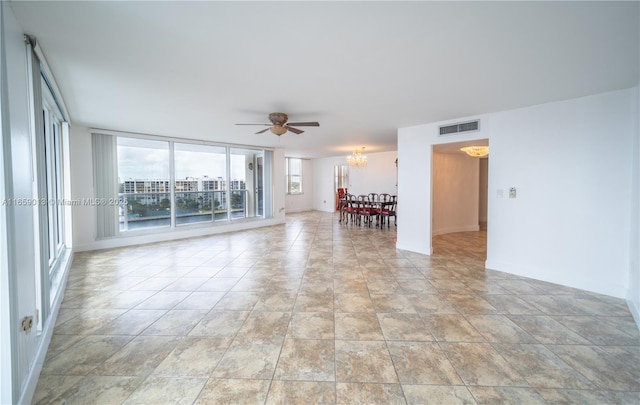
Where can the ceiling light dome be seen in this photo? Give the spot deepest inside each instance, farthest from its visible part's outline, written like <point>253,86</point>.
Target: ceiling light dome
<point>278,130</point>
<point>476,151</point>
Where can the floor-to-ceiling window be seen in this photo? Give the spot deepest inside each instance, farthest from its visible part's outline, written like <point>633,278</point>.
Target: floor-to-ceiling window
<point>247,174</point>
<point>143,183</point>
<point>200,183</point>
<point>50,167</point>
<point>168,183</point>
<point>53,178</point>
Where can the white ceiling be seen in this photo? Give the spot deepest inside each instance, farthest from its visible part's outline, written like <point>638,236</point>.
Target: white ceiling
<point>362,69</point>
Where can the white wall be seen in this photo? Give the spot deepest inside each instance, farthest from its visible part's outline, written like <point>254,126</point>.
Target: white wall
<point>21,353</point>
<point>415,180</point>
<point>84,217</point>
<point>484,186</point>
<point>23,285</point>
<point>379,176</point>
<point>279,188</point>
<point>456,191</point>
<point>571,164</point>
<point>6,266</point>
<point>304,201</point>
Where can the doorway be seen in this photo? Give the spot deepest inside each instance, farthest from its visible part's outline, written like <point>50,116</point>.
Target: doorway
<point>459,194</point>
<point>340,182</point>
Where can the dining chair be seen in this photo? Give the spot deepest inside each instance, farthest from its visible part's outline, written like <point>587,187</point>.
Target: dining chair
<point>362,206</point>
<point>340,197</point>
<point>352,208</point>
<point>388,211</point>
<point>371,209</point>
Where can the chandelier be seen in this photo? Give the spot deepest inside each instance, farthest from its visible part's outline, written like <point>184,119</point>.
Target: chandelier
<point>476,151</point>
<point>357,158</point>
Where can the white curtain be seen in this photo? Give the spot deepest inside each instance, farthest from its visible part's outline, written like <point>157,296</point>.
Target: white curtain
<point>105,183</point>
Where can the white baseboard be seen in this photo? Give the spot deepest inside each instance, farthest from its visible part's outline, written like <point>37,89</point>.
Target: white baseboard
<point>535,273</point>
<point>411,246</point>
<point>31,382</point>
<point>468,228</point>
<point>293,211</point>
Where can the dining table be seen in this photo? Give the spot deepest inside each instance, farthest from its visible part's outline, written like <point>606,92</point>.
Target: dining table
<point>362,205</point>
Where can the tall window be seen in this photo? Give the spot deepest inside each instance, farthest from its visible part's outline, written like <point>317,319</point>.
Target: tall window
<point>53,176</point>
<point>143,182</point>
<point>50,165</point>
<point>294,175</point>
<point>200,183</point>
<point>245,183</point>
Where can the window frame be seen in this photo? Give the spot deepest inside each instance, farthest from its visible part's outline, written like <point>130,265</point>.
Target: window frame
<point>227,181</point>
<point>54,178</point>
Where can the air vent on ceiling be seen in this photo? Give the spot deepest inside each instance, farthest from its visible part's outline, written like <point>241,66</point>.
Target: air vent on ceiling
<point>461,127</point>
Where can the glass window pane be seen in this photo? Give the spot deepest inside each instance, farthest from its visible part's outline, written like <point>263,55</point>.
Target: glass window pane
<point>143,178</point>
<point>294,176</point>
<point>200,183</point>
<point>59,178</point>
<point>50,182</point>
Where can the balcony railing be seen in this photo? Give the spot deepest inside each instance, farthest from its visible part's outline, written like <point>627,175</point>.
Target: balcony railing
<point>146,210</point>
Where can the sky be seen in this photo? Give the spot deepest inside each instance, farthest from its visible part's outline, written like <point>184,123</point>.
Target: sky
<point>146,159</point>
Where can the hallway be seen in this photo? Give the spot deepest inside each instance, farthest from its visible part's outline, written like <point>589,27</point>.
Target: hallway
<point>319,311</point>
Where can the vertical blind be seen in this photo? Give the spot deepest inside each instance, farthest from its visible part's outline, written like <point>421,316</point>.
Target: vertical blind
<point>268,179</point>
<point>105,184</point>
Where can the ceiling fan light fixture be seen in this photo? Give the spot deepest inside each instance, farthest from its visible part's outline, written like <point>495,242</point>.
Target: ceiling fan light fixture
<point>278,118</point>
<point>357,159</point>
<point>476,151</point>
<point>280,124</point>
<point>278,130</point>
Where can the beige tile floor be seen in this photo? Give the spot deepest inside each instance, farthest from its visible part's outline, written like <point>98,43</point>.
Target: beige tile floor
<point>316,312</point>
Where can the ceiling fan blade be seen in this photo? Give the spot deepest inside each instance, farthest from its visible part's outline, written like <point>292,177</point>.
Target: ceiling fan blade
<point>295,130</point>
<point>264,130</point>
<point>304,124</point>
<point>256,124</point>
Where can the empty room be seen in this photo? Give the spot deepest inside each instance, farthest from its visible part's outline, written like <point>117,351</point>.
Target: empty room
<point>320,202</point>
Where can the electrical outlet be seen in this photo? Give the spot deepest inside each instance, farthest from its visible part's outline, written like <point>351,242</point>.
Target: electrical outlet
<point>512,192</point>
<point>27,323</point>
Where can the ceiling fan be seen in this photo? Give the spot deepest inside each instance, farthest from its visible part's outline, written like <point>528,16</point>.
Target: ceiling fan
<point>279,124</point>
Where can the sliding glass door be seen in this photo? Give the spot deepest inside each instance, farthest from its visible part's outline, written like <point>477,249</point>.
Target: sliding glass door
<point>171,183</point>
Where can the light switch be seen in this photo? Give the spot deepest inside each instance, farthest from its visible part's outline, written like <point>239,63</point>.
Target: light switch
<point>512,192</point>
<point>500,193</point>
